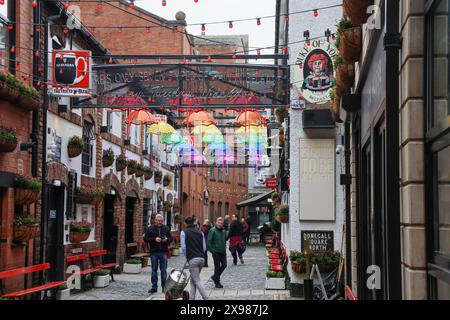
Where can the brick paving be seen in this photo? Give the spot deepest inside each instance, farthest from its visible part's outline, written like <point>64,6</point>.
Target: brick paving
<point>241,282</point>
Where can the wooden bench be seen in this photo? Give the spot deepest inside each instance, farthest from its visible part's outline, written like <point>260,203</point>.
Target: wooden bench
<point>27,270</point>
<point>97,262</point>
<point>81,260</point>
<point>133,251</point>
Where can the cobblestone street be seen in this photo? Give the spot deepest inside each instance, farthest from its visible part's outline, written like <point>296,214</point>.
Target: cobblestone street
<point>241,282</point>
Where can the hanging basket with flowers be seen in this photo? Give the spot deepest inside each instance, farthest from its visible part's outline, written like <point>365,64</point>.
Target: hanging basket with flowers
<point>75,146</point>
<point>158,176</point>
<point>139,171</point>
<point>108,158</point>
<point>18,93</point>
<point>345,74</point>
<point>90,195</point>
<point>349,40</point>
<point>27,191</point>
<point>167,180</point>
<point>148,173</point>
<point>282,214</point>
<point>356,10</point>
<point>132,167</point>
<point>8,139</point>
<point>79,231</point>
<point>121,163</point>
<point>26,228</point>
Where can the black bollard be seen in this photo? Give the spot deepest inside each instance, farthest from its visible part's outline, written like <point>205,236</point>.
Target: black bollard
<point>308,289</point>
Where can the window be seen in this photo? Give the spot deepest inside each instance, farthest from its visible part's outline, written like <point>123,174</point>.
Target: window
<point>239,176</point>
<point>211,211</point>
<point>4,37</point>
<point>134,134</point>
<point>211,173</point>
<point>227,175</point>
<point>88,149</point>
<point>219,174</point>
<point>219,209</point>
<point>227,208</point>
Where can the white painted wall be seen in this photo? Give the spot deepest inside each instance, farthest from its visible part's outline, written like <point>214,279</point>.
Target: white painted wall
<point>291,233</point>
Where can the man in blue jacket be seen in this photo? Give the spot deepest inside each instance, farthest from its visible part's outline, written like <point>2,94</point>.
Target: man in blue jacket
<point>158,237</point>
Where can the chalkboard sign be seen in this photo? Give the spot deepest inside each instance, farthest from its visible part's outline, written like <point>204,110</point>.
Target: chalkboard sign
<point>320,240</point>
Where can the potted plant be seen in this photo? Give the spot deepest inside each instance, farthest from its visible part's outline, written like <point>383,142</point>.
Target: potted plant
<point>75,146</point>
<point>158,176</point>
<point>63,292</point>
<point>108,158</point>
<point>167,180</point>
<point>148,173</point>
<point>8,139</point>
<point>356,10</point>
<point>298,261</point>
<point>132,266</point>
<point>27,191</point>
<point>13,90</point>
<point>90,195</point>
<point>349,40</point>
<point>282,214</point>
<point>176,250</point>
<point>79,231</point>
<point>26,227</point>
<point>29,97</point>
<point>326,261</point>
<point>275,280</point>
<point>121,163</point>
<point>101,278</point>
<point>345,73</point>
<point>139,170</point>
<point>132,167</point>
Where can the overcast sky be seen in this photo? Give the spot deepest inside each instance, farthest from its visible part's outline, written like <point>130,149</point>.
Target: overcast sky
<point>222,10</point>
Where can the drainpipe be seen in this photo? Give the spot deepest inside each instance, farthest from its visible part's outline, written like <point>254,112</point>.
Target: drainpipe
<point>392,46</point>
<point>35,114</point>
<point>348,215</point>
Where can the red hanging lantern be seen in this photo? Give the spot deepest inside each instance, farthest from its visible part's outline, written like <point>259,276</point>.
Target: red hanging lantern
<point>34,4</point>
<point>258,21</point>
<point>66,5</point>
<point>316,13</point>
<point>230,25</point>
<point>203,27</point>
<point>100,5</point>
<point>164,3</point>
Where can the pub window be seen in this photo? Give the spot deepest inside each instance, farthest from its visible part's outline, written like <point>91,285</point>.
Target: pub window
<point>211,211</point>
<point>211,173</point>
<point>88,149</point>
<point>219,174</point>
<point>227,208</point>
<point>219,209</point>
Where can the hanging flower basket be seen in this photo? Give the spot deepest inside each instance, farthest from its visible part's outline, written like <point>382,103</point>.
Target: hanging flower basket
<point>121,163</point>
<point>26,228</point>
<point>108,158</point>
<point>356,10</point>
<point>167,180</point>
<point>89,195</point>
<point>28,102</point>
<point>139,171</point>
<point>350,44</point>
<point>148,173</point>
<point>27,191</point>
<point>345,75</point>
<point>79,231</point>
<point>158,176</point>
<point>297,267</point>
<point>75,146</point>
<point>282,214</point>
<point>132,167</point>
<point>335,109</point>
<point>8,139</point>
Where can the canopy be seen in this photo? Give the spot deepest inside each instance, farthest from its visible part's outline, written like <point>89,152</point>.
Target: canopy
<point>255,200</point>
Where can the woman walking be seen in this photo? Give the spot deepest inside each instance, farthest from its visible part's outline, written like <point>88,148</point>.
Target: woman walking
<point>205,230</point>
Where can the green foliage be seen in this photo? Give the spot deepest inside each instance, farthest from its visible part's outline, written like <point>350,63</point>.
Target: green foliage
<point>146,169</point>
<point>13,82</point>
<point>322,259</point>
<point>76,141</point>
<point>8,134</point>
<point>92,192</point>
<point>62,286</point>
<point>26,183</point>
<point>140,167</point>
<point>275,274</point>
<point>80,226</point>
<point>275,196</point>
<point>282,210</point>
<point>25,220</point>
<point>121,159</point>
<point>345,24</point>
<point>132,164</point>
<point>102,272</point>
<point>108,154</point>
<point>133,261</point>
<point>167,179</point>
<point>158,173</point>
<point>338,61</point>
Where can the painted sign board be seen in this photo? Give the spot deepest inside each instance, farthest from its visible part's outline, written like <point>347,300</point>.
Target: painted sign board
<point>320,240</point>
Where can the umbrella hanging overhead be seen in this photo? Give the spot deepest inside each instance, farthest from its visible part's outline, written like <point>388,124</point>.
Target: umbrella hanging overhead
<point>249,118</point>
<point>213,139</point>
<point>171,138</point>
<point>252,130</point>
<point>161,128</point>
<point>200,118</point>
<point>203,130</point>
<point>247,99</point>
<point>140,117</point>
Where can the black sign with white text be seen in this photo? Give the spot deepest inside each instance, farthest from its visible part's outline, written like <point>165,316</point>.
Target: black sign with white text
<point>320,240</point>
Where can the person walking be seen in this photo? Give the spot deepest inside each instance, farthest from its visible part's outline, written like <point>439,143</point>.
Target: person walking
<point>158,237</point>
<point>247,235</point>
<point>217,246</point>
<point>205,230</point>
<point>245,230</point>
<point>226,223</point>
<point>193,246</point>
<point>236,237</point>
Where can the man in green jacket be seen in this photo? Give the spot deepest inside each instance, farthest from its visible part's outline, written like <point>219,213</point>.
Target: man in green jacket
<point>217,246</point>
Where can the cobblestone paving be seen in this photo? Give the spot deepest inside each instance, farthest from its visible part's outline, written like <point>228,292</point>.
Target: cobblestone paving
<point>241,282</point>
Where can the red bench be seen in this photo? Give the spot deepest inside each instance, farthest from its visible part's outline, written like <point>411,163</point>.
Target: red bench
<point>27,270</point>
<point>80,261</point>
<point>97,261</point>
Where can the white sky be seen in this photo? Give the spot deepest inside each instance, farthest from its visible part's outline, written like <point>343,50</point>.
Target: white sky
<point>222,10</point>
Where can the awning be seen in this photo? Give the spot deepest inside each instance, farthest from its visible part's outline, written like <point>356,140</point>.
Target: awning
<point>255,200</point>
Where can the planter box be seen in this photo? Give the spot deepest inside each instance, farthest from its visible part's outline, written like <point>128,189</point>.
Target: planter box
<point>63,294</point>
<point>101,281</point>
<point>275,283</point>
<point>132,268</point>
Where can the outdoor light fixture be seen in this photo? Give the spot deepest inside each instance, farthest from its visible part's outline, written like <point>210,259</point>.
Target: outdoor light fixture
<point>24,146</point>
<point>57,183</point>
<point>127,142</point>
<point>144,152</point>
<point>104,129</point>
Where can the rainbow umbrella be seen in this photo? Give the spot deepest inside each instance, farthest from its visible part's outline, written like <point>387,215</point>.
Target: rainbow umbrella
<point>171,138</point>
<point>160,128</point>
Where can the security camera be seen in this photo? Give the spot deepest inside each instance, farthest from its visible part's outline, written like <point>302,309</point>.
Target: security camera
<point>339,149</point>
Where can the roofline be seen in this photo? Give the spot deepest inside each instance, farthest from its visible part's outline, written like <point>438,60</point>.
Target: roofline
<point>139,9</point>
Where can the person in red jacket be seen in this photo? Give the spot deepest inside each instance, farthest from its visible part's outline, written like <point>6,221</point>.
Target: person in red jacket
<point>236,237</point>
<point>205,230</point>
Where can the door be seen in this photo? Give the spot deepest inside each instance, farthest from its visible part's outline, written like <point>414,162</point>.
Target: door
<point>129,220</point>
<point>55,244</point>
<point>110,230</point>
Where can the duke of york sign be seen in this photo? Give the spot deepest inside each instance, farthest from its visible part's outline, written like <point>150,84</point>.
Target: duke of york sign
<point>314,71</point>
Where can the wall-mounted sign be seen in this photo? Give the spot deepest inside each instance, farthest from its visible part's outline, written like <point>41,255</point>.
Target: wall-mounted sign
<point>320,240</point>
<point>298,104</point>
<point>314,71</point>
<point>271,183</point>
<point>71,76</point>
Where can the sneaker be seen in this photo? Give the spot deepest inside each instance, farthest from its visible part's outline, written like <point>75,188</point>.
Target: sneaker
<point>219,285</point>
<point>153,290</point>
<point>242,260</point>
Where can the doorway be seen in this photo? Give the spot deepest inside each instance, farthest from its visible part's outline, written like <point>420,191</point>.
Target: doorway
<point>110,232</point>
<point>55,242</point>
<point>129,219</point>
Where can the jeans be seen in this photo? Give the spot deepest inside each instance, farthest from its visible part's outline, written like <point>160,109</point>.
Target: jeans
<point>220,263</point>
<point>195,267</point>
<point>161,258</point>
<point>206,258</point>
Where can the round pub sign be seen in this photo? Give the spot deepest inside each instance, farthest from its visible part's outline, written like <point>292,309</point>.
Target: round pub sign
<point>314,71</point>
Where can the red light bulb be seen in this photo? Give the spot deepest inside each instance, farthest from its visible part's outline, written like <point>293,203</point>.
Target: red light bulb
<point>34,4</point>
<point>203,27</point>
<point>110,61</point>
<point>209,59</point>
<point>258,21</point>
<point>10,27</point>
<point>316,13</point>
<point>284,49</point>
<point>100,6</point>
<point>2,2</point>
<point>37,54</point>
<point>38,29</point>
<point>132,5</point>
<point>230,25</point>
<point>66,31</point>
<point>258,52</point>
<point>164,3</point>
<point>234,56</point>
<point>66,5</point>
<point>12,50</point>
<point>286,19</point>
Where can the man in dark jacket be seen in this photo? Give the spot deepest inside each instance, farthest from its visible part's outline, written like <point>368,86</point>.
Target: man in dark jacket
<point>193,245</point>
<point>217,246</point>
<point>236,237</point>
<point>158,237</point>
